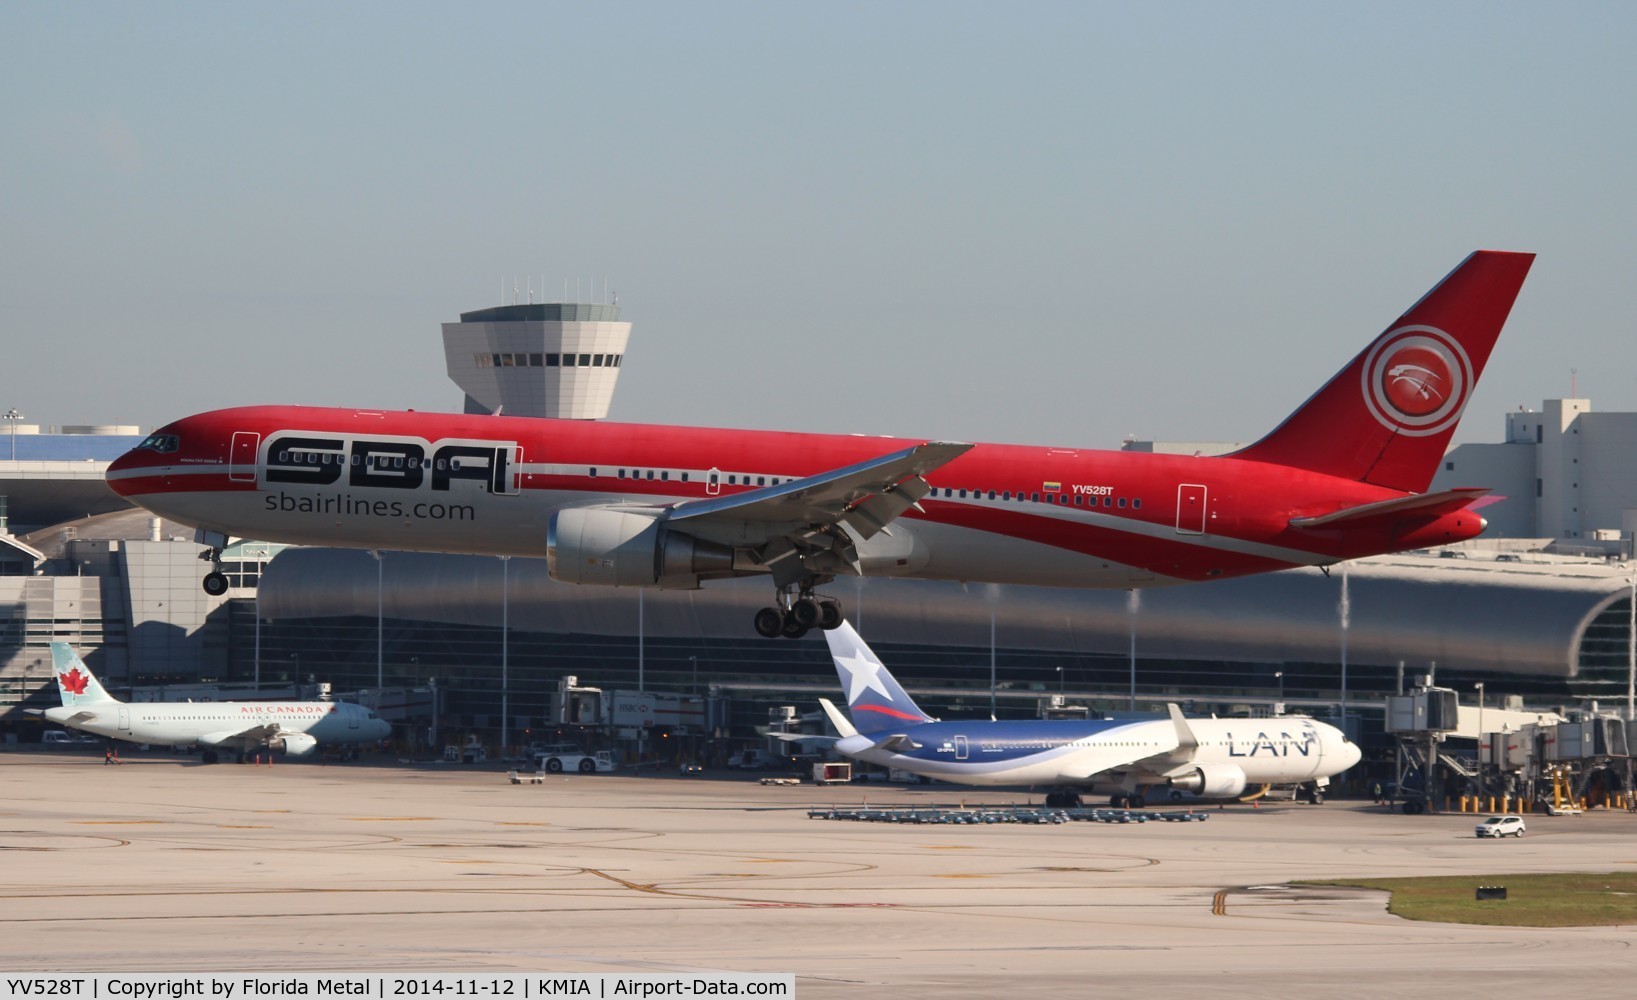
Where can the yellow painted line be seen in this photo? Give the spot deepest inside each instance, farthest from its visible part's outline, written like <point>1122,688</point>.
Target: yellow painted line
<point>120,822</point>
<point>1219,903</point>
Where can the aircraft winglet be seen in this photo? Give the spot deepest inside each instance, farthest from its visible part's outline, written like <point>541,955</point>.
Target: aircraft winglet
<point>844,728</point>
<point>1186,740</point>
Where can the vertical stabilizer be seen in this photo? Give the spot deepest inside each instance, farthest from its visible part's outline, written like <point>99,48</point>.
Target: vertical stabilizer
<point>1386,419</point>
<point>76,685</point>
<point>874,699</point>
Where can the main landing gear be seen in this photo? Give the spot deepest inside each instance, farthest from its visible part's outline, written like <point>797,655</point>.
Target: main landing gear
<point>794,618</point>
<point>215,583</point>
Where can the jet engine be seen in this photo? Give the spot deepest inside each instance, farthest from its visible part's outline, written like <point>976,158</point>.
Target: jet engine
<point>1214,781</point>
<point>294,744</point>
<point>615,547</point>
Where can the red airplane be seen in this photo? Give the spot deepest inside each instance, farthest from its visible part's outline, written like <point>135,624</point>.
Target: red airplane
<point>638,505</point>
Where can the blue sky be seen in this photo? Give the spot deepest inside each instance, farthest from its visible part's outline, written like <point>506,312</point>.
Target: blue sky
<point>1047,223</point>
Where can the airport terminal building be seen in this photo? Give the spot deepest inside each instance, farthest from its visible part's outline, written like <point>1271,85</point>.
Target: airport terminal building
<point>1539,608</point>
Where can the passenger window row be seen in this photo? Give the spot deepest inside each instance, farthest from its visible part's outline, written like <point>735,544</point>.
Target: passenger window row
<point>1062,499</point>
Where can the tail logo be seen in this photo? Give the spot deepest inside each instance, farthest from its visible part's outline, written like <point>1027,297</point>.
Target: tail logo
<point>74,682</point>
<point>1416,380</point>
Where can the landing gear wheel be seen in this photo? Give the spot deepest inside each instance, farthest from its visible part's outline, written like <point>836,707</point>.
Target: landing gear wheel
<point>1135,801</point>
<point>215,584</point>
<point>829,615</point>
<point>806,612</point>
<point>1117,800</point>
<point>770,623</point>
<point>793,629</point>
<point>1317,798</point>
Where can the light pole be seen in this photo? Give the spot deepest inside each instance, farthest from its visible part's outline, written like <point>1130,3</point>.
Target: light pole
<point>1133,605</point>
<point>505,644</point>
<point>1279,675</point>
<point>1480,687</point>
<point>1631,654</point>
<point>12,416</point>
<point>380,622</point>
<point>1060,680</point>
<point>693,662</point>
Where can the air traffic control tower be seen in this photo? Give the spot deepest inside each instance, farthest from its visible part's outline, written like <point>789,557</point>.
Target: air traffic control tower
<point>544,359</point>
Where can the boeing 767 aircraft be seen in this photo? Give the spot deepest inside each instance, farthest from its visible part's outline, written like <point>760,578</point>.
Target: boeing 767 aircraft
<point>297,728</point>
<point>633,505</point>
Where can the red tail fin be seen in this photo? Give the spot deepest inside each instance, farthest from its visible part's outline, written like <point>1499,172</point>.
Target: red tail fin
<point>1387,417</point>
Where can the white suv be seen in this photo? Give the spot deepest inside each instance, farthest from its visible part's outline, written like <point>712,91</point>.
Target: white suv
<point>1501,826</point>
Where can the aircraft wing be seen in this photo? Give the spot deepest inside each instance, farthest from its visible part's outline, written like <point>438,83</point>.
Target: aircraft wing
<point>1100,759</point>
<point>1421,505</point>
<point>250,735</point>
<point>864,496</point>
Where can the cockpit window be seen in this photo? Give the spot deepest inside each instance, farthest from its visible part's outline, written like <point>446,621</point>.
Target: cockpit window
<point>162,443</point>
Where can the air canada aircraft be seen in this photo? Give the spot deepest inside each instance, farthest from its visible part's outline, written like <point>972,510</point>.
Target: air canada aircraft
<point>630,505</point>
<point>1133,761</point>
<point>297,728</point>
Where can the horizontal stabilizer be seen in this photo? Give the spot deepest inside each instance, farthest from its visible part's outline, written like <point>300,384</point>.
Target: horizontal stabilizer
<point>897,743</point>
<point>1422,505</point>
<point>804,738</point>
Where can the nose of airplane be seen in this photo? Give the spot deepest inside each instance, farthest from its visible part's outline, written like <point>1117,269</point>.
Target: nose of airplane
<point>118,471</point>
<point>1349,752</point>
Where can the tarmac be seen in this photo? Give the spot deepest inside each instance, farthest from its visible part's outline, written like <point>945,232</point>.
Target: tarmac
<point>164,864</point>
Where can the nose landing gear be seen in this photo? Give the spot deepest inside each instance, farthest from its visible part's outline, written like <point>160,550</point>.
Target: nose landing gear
<point>795,617</point>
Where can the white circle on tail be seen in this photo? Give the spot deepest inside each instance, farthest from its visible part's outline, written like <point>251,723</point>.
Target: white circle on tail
<point>1416,380</point>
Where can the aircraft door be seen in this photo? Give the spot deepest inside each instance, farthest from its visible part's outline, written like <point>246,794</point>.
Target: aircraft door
<point>241,459</point>
<point>960,748</point>
<point>713,482</point>
<point>352,720</point>
<point>124,720</point>
<point>512,482</point>
<point>1191,509</point>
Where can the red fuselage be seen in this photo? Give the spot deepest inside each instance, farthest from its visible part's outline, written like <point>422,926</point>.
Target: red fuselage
<point>998,513</point>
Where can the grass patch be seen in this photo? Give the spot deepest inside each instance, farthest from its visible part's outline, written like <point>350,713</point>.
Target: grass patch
<point>1572,899</point>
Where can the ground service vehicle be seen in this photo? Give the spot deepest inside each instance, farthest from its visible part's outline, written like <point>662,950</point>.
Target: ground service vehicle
<point>572,760</point>
<point>1501,826</point>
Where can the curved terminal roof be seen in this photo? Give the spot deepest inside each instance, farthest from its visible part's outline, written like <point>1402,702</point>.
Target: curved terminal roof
<point>1520,618</point>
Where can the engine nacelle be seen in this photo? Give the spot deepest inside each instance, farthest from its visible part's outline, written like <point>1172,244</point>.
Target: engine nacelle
<point>1214,781</point>
<point>611,547</point>
<point>294,744</point>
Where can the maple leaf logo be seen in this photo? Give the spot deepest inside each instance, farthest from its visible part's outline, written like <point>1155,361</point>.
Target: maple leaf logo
<point>74,682</point>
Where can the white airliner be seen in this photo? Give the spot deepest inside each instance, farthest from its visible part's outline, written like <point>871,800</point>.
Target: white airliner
<point>294,727</point>
<point>1132,761</point>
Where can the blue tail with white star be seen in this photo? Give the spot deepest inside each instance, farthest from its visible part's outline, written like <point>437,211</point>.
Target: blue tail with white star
<point>874,699</point>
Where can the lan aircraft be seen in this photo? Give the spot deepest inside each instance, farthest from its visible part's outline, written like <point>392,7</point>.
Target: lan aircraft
<point>297,728</point>
<point>626,505</point>
<point>1214,758</point>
